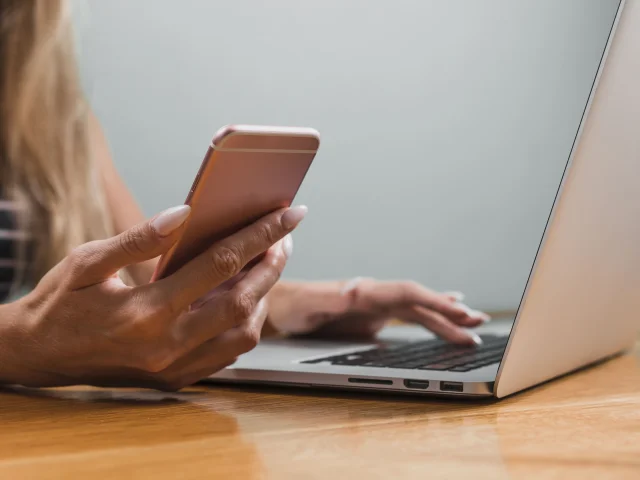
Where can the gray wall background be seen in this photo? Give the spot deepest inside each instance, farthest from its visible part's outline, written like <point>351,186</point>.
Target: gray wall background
<point>446,125</point>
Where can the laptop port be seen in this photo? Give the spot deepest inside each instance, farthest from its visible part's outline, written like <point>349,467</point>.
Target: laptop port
<point>417,384</point>
<point>371,381</point>
<point>457,387</point>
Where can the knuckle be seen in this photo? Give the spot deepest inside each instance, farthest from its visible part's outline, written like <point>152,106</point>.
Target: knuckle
<point>249,339</point>
<point>156,361</point>
<point>132,241</point>
<point>226,262</point>
<point>268,233</point>
<point>242,306</point>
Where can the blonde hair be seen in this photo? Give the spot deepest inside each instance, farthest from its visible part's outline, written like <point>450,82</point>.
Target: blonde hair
<point>45,159</point>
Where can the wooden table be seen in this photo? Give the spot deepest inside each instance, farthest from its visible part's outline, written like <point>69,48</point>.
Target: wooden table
<point>586,425</point>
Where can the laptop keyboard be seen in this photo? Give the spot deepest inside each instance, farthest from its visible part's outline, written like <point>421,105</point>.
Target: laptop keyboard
<point>425,355</point>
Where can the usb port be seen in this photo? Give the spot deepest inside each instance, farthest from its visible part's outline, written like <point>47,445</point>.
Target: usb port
<point>451,387</point>
<point>417,384</point>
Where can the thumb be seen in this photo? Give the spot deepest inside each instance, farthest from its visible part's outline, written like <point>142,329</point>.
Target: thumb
<point>96,261</point>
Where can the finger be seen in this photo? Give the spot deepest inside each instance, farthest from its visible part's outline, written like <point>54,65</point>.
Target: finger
<point>265,274</point>
<point>455,296</point>
<point>387,295</point>
<point>218,352</point>
<point>226,258</point>
<point>439,325</point>
<point>474,317</point>
<point>95,261</point>
<point>226,309</point>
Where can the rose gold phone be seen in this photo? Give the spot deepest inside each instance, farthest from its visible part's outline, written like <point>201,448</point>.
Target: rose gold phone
<point>248,172</point>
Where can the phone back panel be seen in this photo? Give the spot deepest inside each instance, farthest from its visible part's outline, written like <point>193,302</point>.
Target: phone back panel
<point>247,172</point>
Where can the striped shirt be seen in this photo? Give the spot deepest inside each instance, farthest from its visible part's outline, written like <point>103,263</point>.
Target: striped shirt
<point>11,239</point>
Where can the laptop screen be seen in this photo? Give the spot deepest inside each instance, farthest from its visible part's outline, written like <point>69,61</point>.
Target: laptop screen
<point>446,126</point>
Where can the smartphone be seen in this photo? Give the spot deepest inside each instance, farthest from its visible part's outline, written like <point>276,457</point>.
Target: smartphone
<point>247,172</point>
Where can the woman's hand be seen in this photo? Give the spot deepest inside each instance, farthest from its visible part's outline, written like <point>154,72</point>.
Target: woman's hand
<point>83,325</point>
<point>361,307</point>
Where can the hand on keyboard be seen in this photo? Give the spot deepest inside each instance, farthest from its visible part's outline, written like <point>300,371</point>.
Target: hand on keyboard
<point>361,307</point>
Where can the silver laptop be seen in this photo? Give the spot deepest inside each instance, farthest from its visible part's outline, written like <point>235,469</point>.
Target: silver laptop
<point>581,303</point>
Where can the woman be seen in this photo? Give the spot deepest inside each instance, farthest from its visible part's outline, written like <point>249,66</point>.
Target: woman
<point>69,227</point>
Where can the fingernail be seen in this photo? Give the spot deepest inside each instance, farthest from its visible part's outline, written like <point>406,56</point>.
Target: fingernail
<point>293,216</point>
<point>457,296</point>
<point>476,338</point>
<point>169,220</point>
<point>350,285</point>
<point>287,245</point>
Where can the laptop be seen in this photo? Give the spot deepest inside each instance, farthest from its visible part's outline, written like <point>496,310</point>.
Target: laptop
<point>581,303</point>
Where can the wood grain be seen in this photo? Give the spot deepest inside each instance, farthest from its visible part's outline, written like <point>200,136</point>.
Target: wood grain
<point>585,425</point>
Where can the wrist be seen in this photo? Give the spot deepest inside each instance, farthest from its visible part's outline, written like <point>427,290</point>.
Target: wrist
<point>295,306</point>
